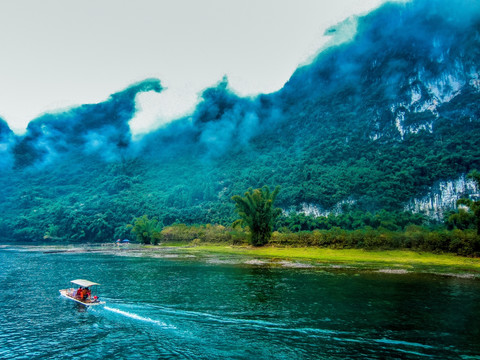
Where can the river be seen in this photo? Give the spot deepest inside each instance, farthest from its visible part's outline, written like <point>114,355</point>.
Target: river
<point>189,308</point>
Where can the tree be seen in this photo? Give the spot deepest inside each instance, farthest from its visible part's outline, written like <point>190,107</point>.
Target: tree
<point>473,206</point>
<point>147,231</point>
<point>256,211</point>
<point>462,219</point>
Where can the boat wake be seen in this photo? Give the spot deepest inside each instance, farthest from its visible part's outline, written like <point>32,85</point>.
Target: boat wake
<point>191,324</point>
<point>138,317</point>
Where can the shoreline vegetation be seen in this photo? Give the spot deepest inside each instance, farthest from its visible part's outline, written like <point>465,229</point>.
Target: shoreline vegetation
<point>261,223</point>
<point>350,260</point>
<point>412,237</point>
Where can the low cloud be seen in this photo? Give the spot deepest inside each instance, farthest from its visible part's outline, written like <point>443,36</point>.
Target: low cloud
<point>93,128</point>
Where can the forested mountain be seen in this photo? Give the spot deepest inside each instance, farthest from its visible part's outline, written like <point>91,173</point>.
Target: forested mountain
<point>374,121</point>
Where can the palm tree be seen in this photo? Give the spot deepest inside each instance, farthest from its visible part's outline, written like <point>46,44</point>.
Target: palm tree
<point>147,231</point>
<point>256,211</point>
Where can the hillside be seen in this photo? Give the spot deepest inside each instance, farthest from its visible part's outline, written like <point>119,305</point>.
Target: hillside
<point>375,122</point>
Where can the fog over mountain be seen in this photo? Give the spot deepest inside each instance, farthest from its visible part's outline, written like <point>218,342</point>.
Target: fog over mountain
<point>101,128</point>
<point>372,123</point>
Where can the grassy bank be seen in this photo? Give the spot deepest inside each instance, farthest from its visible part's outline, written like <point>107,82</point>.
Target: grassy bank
<point>401,259</point>
<point>356,259</point>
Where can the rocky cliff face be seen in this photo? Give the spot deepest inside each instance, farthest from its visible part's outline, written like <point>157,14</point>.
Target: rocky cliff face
<point>316,210</point>
<point>427,95</point>
<point>439,199</point>
<point>442,197</point>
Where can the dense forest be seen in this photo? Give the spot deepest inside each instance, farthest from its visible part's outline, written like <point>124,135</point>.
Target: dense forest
<point>372,122</point>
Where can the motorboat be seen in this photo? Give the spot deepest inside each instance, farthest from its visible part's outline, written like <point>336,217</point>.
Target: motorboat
<point>85,293</point>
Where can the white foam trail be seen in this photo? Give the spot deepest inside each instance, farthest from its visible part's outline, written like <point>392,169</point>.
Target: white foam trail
<point>217,318</point>
<point>138,317</point>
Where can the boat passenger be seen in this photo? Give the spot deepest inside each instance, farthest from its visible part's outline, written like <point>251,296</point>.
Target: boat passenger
<point>86,293</point>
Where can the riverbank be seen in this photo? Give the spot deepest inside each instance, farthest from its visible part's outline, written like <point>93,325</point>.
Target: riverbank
<point>387,261</point>
<point>395,261</point>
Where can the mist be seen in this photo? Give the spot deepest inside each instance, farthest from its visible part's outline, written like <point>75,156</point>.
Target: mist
<point>6,142</point>
<point>427,37</point>
<point>89,129</point>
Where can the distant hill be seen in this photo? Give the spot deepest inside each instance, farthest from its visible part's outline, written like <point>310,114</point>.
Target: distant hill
<point>386,118</point>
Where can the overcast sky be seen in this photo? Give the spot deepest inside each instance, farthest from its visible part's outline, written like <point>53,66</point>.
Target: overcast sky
<point>60,53</point>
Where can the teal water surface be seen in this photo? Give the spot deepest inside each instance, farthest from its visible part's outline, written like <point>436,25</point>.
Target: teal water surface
<point>163,308</point>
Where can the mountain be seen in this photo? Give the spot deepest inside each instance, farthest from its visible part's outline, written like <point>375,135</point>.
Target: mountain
<point>383,119</point>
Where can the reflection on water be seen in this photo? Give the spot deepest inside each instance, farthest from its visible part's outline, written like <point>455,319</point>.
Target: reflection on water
<point>184,309</point>
<point>80,307</point>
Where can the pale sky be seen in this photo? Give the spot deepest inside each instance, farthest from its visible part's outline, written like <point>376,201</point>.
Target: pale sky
<point>59,53</point>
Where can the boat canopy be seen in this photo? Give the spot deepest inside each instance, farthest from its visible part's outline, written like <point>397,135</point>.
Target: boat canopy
<point>83,283</point>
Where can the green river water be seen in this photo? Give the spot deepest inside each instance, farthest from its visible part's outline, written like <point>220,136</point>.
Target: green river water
<point>185,307</point>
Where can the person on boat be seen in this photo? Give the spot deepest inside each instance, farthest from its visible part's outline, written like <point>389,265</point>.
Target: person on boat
<point>87,293</point>
<point>78,293</point>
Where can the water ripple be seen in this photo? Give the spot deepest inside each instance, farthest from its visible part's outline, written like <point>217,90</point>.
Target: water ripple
<point>187,310</point>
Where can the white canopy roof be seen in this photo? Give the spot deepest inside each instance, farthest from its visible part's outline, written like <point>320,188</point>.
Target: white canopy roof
<point>83,283</point>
